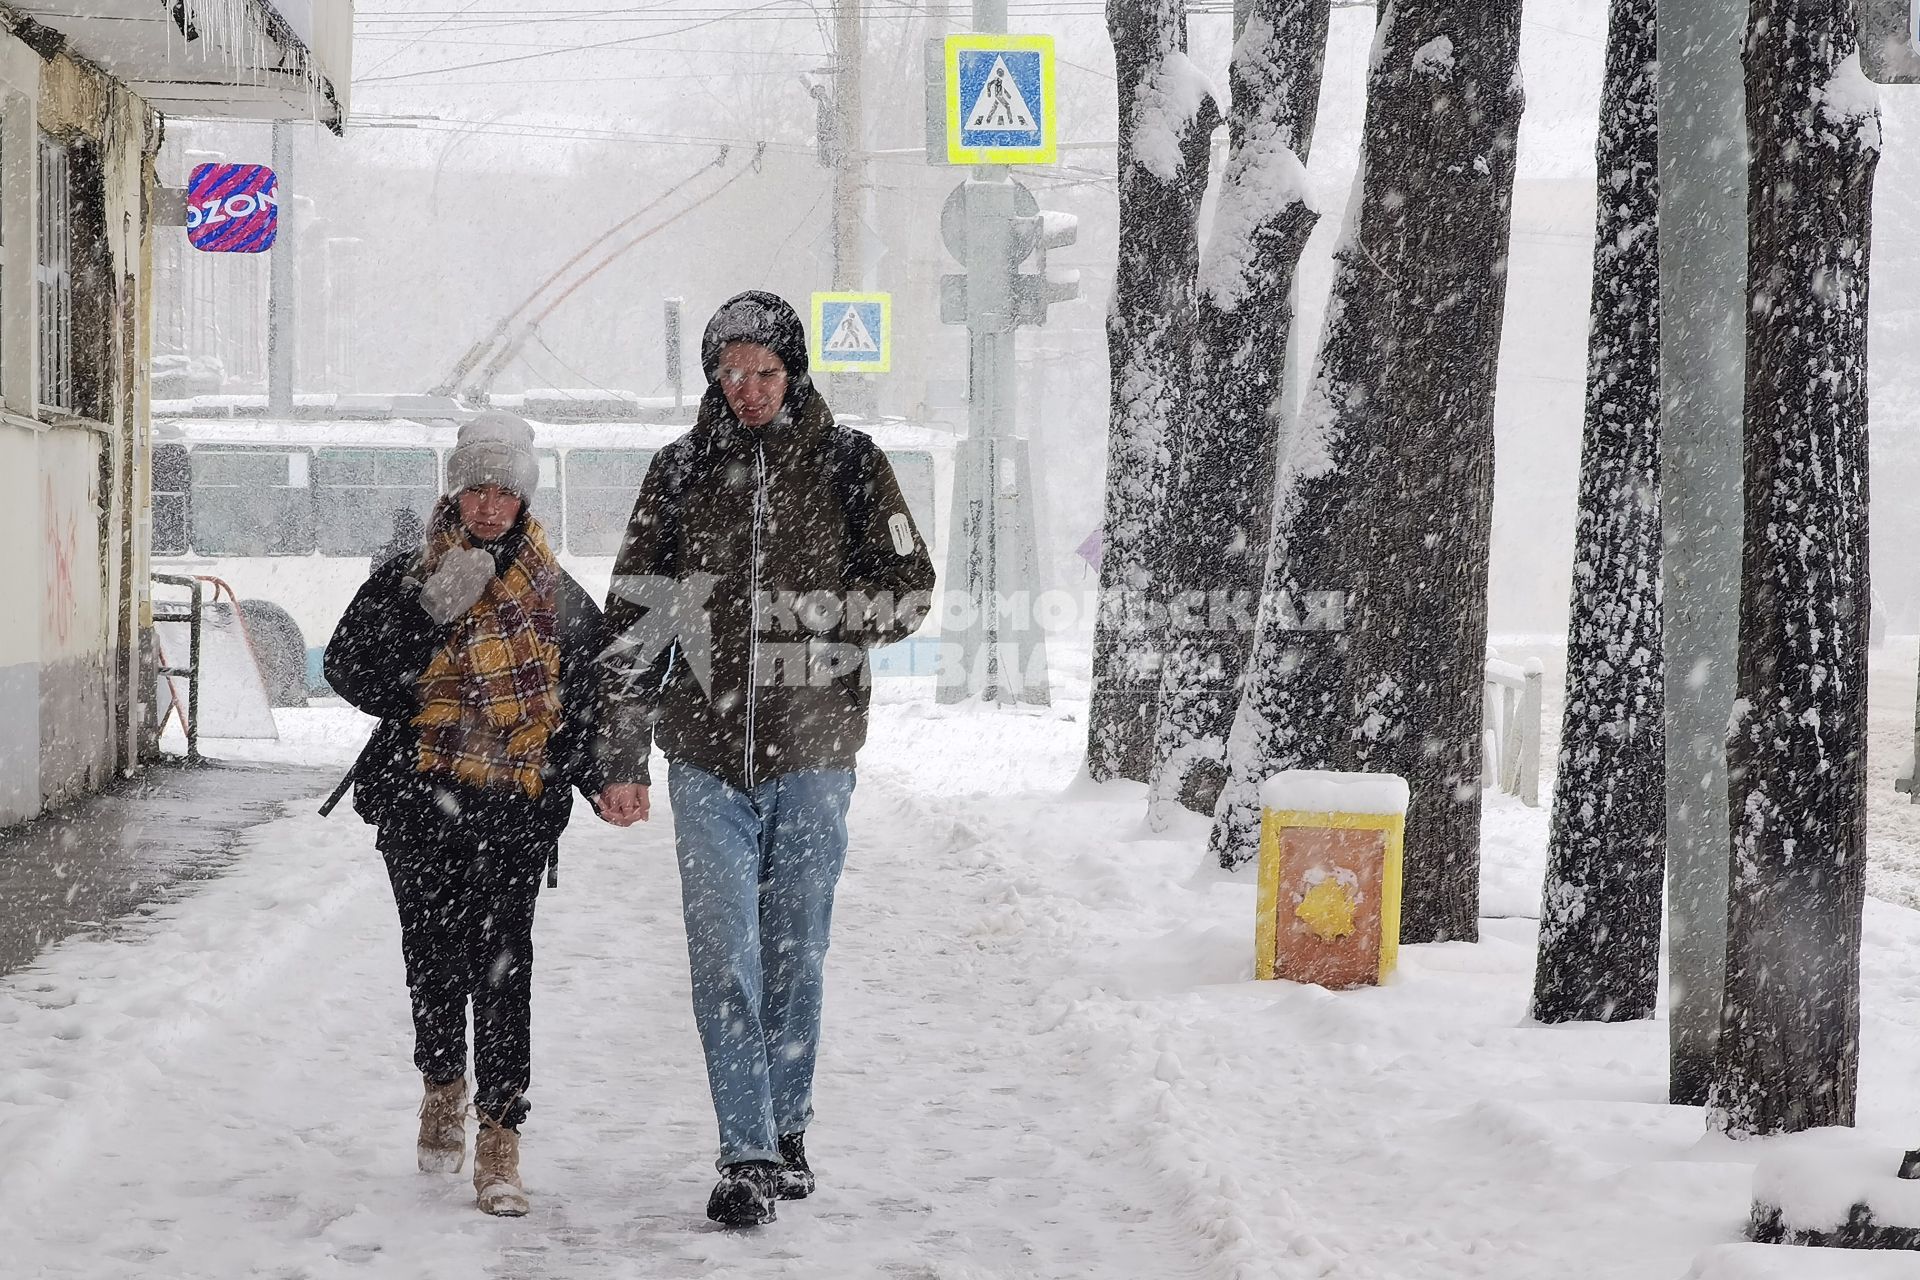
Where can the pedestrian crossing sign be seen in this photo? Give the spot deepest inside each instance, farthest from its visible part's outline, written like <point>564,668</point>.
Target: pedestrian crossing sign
<point>1000,100</point>
<point>853,332</point>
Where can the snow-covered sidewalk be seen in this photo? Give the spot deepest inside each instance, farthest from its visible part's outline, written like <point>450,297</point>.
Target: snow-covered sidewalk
<point>1044,1057</point>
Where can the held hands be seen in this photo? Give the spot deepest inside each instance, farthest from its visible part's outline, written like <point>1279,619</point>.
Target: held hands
<point>456,584</point>
<point>622,803</point>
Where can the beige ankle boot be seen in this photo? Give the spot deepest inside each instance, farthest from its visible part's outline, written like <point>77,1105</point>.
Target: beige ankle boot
<point>496,1171</point>
<point>443,1127</point>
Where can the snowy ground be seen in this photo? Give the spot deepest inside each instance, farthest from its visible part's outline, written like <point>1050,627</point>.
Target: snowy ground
<point>1045,1058</point>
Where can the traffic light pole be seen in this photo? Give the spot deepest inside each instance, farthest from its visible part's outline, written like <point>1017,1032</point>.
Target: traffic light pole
<point>282,313</point>
<point>853,394</point>
<point>1703,279</point>
<point>999,648</point>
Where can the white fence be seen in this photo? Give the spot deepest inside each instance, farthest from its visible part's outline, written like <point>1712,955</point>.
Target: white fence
<point>1511,693</point>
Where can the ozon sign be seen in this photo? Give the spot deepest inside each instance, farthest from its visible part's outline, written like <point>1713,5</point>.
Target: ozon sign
<point>233,208</point>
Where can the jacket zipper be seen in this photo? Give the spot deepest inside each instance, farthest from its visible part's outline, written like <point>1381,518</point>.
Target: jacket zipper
<point>753,611</point>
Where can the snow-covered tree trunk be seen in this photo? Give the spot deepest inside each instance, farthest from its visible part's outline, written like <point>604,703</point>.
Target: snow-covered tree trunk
<point>1221,500</point>
<point>1796,754</point>
<point>1600,913</point>
<point>1167,116</point>
<point>1290,714</point>
<point>1451,87</point>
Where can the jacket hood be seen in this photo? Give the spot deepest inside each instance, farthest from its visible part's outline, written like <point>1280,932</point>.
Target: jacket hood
<point>764,319</point>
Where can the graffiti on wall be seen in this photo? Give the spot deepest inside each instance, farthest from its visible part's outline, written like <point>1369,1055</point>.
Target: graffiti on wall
<point>73,604</point>
<point>60,609</point>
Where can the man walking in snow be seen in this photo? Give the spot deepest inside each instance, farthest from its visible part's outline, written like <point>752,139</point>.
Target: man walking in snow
<point>769,550</point>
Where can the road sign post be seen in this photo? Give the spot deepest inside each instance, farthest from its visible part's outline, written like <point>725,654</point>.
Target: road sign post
<point>999,109</point>
<point>283,284</point>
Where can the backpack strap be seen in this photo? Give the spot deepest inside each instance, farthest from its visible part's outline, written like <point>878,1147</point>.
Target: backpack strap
<point>675,475</point>
<point>849,462</point>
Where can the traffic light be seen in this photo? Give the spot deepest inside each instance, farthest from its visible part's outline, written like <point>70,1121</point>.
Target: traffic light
<point>1034,292</point>
<point>1028,294</point>
<point>1890,40</point>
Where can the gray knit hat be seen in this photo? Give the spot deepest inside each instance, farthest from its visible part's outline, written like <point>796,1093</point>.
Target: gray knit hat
<point>494,447</point>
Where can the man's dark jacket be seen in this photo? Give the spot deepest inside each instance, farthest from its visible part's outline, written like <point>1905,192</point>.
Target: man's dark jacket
<point>383,643</point>
<point>802,507</point>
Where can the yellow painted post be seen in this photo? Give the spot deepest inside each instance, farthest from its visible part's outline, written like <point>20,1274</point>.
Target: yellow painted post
<point>1331,853</point>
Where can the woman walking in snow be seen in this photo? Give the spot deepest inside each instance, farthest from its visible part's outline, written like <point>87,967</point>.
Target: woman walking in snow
<point>476,654</point>
<point>766,508</point>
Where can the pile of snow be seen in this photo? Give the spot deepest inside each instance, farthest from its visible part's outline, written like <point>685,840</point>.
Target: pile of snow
<point>1329,791</point>
<point>1775,1262</point>
<point>1165,107</point>
<point>1815,1179</point>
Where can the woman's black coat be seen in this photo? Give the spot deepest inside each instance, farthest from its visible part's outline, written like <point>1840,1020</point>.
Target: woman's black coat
<point>382,645</point>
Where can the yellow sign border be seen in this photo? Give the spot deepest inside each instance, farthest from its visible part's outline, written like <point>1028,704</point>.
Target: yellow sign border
<point>1266,923</point>
<point>819,355</point>
<point>1049,149</point>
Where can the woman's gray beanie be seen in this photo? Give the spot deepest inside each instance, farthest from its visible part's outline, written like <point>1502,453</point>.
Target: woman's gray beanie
<point>494,447</point>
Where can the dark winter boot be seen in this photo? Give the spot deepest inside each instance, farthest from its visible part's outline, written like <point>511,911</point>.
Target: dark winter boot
<point>794,1179</point>
<point>744,1195</point>
<point>496,1171</point>
<point>443,1127</point>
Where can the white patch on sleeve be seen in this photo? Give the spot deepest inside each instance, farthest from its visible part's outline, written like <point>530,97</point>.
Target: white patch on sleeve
<point>902,530</point>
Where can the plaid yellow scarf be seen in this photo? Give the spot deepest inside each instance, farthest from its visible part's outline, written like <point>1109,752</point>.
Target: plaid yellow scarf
<point>490,698</point>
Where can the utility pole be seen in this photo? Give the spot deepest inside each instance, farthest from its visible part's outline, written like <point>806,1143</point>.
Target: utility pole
<point>853,393</point>
<point>1703,299</point>
<point>282,304</point>
<point>992,557</point>
<point>674,341</point>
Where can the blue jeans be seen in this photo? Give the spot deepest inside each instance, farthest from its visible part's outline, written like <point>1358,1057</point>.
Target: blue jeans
<point>757,873</point>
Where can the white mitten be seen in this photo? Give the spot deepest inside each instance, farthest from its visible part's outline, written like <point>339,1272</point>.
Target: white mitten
<point>456,584</point>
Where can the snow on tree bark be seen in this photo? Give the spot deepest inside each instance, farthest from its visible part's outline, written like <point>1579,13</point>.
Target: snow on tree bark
<point>1167,116</point>
<point>1796,756</point>
<point>1289,714</point>
<point>1599,957</point>
<point>1414,673</point>
<point>1213,541</point>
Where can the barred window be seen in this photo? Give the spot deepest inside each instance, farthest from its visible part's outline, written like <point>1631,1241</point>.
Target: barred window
<point>53,275</point>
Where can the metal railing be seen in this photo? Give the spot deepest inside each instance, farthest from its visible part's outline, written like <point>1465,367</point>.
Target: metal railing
<point>1904,783</point>
<point>191,672</point>
<point>1512,693</point>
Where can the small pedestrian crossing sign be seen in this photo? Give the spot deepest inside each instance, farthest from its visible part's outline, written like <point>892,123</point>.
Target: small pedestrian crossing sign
<point>1000,100</point>
<point>853,332</point>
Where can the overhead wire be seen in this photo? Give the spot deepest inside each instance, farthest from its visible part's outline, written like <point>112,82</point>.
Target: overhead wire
<point>581,133</point>
<point>555,53</point>
<point>414,40</point>
<point>607,259</point>
<point>656,13</point>
<point>801,10</point>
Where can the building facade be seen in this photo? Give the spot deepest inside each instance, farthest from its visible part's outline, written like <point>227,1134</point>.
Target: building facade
<point>86,89</point>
